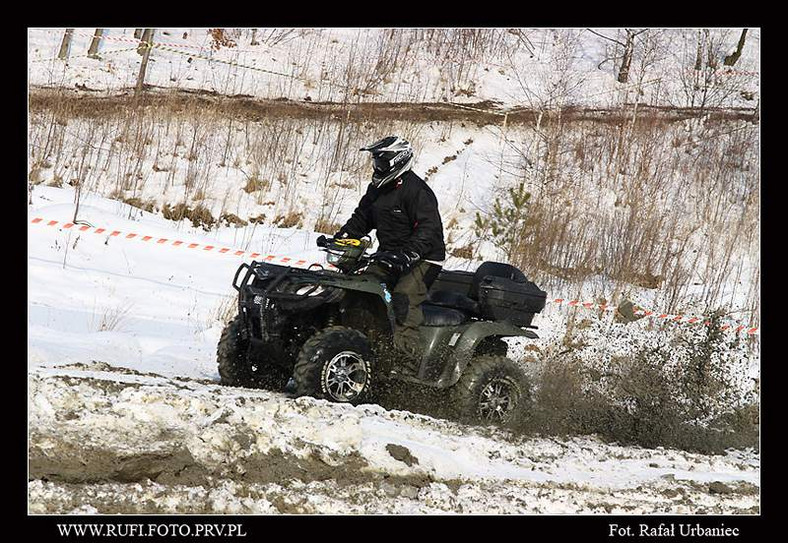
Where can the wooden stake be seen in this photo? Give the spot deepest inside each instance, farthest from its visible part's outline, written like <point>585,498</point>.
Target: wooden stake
<point>144,50</point>
<point>95,43</point>
<point>65,45</point>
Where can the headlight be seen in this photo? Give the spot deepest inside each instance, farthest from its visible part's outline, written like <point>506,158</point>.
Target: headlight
<point>310,290</point>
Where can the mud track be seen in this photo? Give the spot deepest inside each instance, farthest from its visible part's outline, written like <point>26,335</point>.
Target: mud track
<point>112,441</point>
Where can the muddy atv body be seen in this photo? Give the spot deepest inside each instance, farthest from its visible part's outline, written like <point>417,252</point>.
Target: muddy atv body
<point>332,331</point>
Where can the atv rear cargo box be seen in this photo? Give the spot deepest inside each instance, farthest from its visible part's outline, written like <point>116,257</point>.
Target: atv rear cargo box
<point>503,299</point>
<point>453,281</point>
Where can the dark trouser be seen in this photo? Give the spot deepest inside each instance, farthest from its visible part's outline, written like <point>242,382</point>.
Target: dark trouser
<point>408,292</point>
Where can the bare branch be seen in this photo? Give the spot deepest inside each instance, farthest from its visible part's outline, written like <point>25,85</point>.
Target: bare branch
<point>606,37</point>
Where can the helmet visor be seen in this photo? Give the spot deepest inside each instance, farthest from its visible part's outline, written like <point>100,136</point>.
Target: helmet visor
<point>382,163</point>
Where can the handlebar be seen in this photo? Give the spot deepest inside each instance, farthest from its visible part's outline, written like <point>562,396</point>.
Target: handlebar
<point>349,254</point>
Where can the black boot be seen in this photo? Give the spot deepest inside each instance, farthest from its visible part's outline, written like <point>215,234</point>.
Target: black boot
<point>408,356</point>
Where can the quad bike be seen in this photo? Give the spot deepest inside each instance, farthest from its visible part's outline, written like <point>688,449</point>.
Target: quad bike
<point>332,332</point>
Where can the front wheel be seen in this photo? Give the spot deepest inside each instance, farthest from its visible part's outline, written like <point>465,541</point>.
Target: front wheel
<point>492,390</point>
<point>231,355</point>
<point>335,364</point>
<point>237,369</point>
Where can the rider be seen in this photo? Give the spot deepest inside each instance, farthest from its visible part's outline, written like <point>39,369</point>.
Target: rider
<point>404,211</point>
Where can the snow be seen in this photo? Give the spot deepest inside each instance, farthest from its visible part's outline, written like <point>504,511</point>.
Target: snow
<point>166,300</point>
<point>122,334</point>
<point>209,420</point>
<point>161,354</point>
<point>564,66</point>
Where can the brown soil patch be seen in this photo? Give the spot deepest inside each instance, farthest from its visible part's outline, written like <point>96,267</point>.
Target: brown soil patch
<point>70,102</point>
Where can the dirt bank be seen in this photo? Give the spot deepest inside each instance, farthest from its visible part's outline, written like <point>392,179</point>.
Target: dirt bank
<point>93,104</point>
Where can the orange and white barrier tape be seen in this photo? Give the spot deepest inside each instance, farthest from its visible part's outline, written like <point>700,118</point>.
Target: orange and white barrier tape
<point>154,240</point>
<point>680,319</point>
<point>291,261</point>
<point>138,41</point>
<point>173,48</point>
<point>731,71</point>
<point>110,37</point>
<point>86,55</point>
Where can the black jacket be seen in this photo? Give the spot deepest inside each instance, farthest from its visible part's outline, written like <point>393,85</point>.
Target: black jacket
<point>405,214</point>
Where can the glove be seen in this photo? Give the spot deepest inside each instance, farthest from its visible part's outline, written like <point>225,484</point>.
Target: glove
<point>322,241</point>
<point>398,262</point>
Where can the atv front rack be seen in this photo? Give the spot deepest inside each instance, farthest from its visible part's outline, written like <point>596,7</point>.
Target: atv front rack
<point>293,289</point>
<point>265,290</point>
<point>269,276</point>
<point>261,270</point>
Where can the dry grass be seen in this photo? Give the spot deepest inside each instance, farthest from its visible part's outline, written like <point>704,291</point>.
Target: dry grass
<point>254,184</point>
<point>292,219</point>
<point>112,318</point>
<point>462,252</point>
<point>227,309</point>
<point>326,226</point>
<point>230,219</point>
<point>686,195</point>
<point>199,215</point>
<point>148,205</point>
<point>681,215</point>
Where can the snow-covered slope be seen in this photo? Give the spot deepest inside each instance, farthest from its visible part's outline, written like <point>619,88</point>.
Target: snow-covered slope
<point>125,411</point>
<point>265,165</point>
<point>126,414</point>
<point>537,67</point>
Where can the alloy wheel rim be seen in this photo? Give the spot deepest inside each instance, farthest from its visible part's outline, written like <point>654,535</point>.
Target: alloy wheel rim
<point>498,400</point>
<point>345,376</point>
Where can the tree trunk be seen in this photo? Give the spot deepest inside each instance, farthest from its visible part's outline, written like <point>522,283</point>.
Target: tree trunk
<point>254,37</point>
<point>145,40</point>
<point>65,45</point>
<point>711,61</point>
<point>731,59</point>
<point>144,50</point>
<point>138,33</point>
<point>699,54</point>
<point>626,61</point>
<point>95,43</point>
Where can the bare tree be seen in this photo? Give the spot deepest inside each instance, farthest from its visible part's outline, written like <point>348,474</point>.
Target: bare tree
<point>702,55</point>
<point>711,61</point>
<point>731,59</point>
<point>629,49</point>
<point>145,40</point>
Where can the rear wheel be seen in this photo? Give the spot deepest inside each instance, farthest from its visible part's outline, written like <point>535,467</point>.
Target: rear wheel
<point>492,390</point>
<point>335,364</point>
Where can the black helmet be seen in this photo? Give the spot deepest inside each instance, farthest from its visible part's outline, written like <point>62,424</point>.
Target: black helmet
<point>392,157</point>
